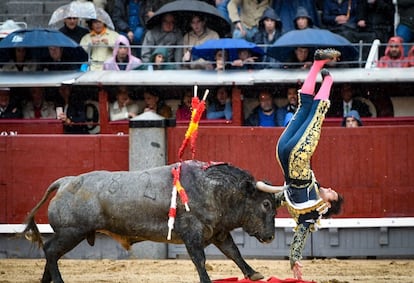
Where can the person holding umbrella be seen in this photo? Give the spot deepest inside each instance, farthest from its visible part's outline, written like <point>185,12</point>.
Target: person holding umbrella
<point>99,42</point>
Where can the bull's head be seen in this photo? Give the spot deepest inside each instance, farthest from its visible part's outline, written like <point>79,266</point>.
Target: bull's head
<point>260,212</point>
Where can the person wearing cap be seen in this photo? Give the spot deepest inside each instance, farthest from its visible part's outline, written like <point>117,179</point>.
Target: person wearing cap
<point>72,29</point>
<point>8,108</point>
<point>352,120</point>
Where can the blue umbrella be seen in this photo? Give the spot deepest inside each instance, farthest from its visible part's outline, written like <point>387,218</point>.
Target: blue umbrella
<point>207,50</point>
<point>312,38</point>
<point>40,38</point>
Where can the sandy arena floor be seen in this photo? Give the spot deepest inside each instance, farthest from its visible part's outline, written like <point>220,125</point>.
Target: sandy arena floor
<point>183,271</point>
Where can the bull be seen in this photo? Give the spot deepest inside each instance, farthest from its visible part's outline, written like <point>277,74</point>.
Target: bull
<point>132,207</point>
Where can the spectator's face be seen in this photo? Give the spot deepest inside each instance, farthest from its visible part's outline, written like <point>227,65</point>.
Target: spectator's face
<point>55,53</point>
<point>222,95</point>
<point>301,54</point>
<point>97,26</point>
<point>346,93</point>
<point>167,24</point>
<point>187,99</point>
<point>244,54</point>
<point>71,23</point>
<point>150,100</point>
<point>197,25</point>
<point>351,122</point>
<point>395,51</point>
<point>159,58</point>
<point>20,54</point>
<point>122,53</point>
<point>269,24</point>
<point>302,22</point>
<point>65,91</point>
<point>266,102</point>
<point>37,95</point>
<point>4,98</point>
<point>122,98</point>
<point>292,96</point>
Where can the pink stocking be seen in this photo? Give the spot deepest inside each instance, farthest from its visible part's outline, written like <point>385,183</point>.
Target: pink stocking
<point>325,90</point>
<point>310,81</point>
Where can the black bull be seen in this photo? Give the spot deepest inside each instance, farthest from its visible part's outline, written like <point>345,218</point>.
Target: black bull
<point>133,206</point>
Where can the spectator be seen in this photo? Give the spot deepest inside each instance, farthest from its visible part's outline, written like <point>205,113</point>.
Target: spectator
<point>352,120</point>
<point>221,62</point>
<point>20,61</point>
<point>168,35</point>
<point>340,108</point>
<point>245,16</point>
<point>154,103</point>
<point>264,114</point>
<point>123,107</point>
<point>8,108</point>
<point>60,59</point>
<point>198,34</point>
<point>246,60</point>
<point>394,54</point>
<point>183,112</point>
<point>348,19</point>
<point>157,61</point>
<point>99,42</point>
<point>126,16</point>
<point>380,19</point>
<point>287,10</point>
<point>220,106</point>
<point>71,111</point>
<point>302,19</point>
<point>405,28</point>
<point>72,29</point>
<point>221,6</point>
<point>270,29</point>
<point>122,58</point>
<point>411,57</point>
<point>37,107</point>
<point>285,113</point>
<point>300,59</point>
<point>149,7</point>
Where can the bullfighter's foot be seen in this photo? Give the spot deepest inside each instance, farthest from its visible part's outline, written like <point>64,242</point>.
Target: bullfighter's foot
<point>328,54</point>
<point>324,73</point>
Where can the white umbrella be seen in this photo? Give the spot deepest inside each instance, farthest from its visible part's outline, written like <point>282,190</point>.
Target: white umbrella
<point>104,17</point>
<point>75,9</point>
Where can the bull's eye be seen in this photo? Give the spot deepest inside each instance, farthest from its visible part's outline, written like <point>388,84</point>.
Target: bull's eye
<point>266,205</point>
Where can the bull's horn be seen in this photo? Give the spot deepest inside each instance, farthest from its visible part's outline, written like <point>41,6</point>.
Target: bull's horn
<point>268,188</point>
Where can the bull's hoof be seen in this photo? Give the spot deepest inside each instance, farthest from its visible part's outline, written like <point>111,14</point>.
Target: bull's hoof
<point>256,276</point>
<point>327,54</point>
<point>324,73</point>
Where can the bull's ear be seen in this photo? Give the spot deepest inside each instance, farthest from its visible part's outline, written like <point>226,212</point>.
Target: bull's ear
<point>248,186</point>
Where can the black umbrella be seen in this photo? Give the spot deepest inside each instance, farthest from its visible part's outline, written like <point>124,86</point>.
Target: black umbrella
<point>183,10</point>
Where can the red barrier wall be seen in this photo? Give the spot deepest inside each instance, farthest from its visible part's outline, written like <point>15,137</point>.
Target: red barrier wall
<point>371,166</point>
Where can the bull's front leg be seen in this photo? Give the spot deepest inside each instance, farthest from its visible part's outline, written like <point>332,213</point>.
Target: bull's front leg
<point>227,246</point>
<point>195,248</point>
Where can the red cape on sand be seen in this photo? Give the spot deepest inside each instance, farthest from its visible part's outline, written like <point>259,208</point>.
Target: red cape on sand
<point>270,280</point>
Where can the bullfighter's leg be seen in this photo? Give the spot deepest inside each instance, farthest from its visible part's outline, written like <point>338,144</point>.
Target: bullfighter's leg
<point>230,249</point>
<point>61,242</point>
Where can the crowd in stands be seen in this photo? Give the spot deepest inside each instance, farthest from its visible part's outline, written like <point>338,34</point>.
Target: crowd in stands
<point>260,22</point>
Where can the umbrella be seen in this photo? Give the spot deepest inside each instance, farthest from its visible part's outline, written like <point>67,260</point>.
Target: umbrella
<point>313,38</point>
<point>74,9</point>
<point>207,50</point>
<point>37,40</point>
<point>183,11</point>
<point>104,17</point>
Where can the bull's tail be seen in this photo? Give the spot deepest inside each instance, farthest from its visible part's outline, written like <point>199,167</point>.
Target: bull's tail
<point>31,232</point>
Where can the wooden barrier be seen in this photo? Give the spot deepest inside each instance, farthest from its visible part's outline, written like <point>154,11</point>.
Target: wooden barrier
<point>371,166</point>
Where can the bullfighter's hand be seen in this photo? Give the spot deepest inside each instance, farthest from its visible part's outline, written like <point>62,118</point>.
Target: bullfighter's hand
<point>297,270</point>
